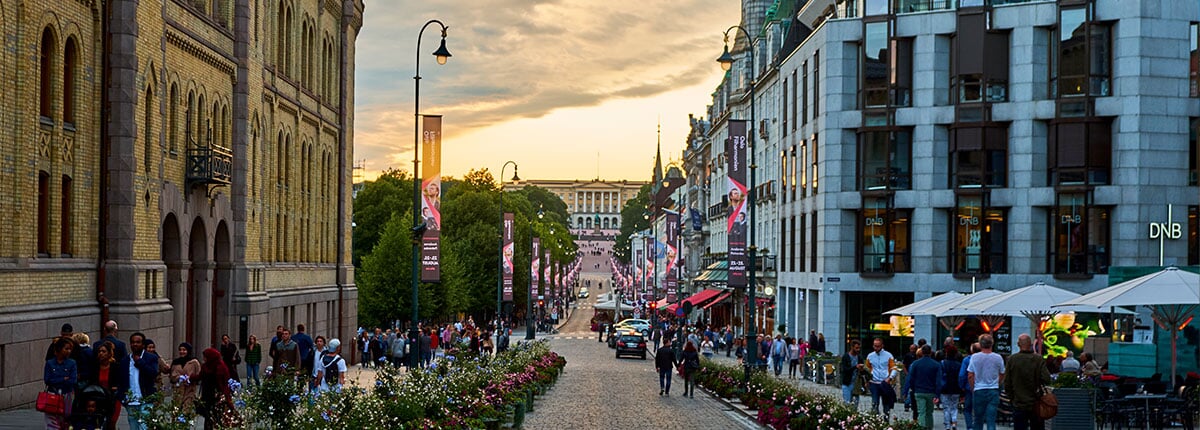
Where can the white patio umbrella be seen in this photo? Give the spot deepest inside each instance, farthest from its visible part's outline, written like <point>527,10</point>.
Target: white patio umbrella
<point>1035,302</point>
<point>950,322</point>
<point>1172,294</point>
<point>921,304</point>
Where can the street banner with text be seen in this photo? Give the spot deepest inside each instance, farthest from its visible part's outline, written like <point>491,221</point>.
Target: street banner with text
<point>535,268</point>
<point>672,277</point>
<point>507,257</point>
<point>545,274</point>
<point>735,147</point>
<point>431,198</point>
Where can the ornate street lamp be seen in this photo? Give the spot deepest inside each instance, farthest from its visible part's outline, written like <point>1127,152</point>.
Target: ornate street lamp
<point>500,265</point>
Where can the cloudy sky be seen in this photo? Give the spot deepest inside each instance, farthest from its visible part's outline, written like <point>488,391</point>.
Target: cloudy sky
<point>568,89</point>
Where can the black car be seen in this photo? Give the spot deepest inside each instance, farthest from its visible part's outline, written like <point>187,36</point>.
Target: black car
<point>631,344</point>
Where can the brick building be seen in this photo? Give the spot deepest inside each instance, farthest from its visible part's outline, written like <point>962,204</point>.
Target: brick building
<point>180,166</point>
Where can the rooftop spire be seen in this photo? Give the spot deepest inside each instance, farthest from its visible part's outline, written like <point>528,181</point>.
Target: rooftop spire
<point>658,173</point>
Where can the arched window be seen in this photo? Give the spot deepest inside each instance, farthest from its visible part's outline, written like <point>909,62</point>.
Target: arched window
<point>201,134</point>
<point>225,127</point>
<point>70,65</point>
<point>281,50</point>
<point>43,213</point>
<point>148,136</point>
<point>46,71</point>
<point>65,221</point>
<point>215,126</point>
<point>173,118</point>
<point>189,126</point>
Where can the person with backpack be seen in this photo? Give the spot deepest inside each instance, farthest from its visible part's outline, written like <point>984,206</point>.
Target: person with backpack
<point>949,388</point>
<point>690,362</point>
<point>331,374</point>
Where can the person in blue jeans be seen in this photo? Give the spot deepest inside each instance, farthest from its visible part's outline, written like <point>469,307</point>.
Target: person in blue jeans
<point>778,354</point>
<point>965,385</point>
<point>986,373</point>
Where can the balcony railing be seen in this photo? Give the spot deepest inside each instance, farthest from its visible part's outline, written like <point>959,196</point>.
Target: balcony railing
<point>209,165</point>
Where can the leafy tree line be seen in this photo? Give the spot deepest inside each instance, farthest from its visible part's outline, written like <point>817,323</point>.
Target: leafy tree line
<point>470,246</point>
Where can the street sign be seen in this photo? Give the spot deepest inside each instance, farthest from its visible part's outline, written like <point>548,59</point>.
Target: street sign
<point>679,312</point>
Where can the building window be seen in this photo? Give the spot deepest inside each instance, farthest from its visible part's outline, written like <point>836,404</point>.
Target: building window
<point>812,243</point>
<point>1080,152</point>
<point>1194,63</point>
<point>795,89</point>
<point>148,123</point>
<point>979,236</point>
<point>65,231</point>
<point>1080,62</point>
<point>884,236</point>
<point>783,174</point>
<point>1193,150</point>
<point>803,241</point>
<point>1193,240</point>
<point>885,160</point>
<point>804,97</point>
<point>1193,236</point>
<point>978,157</point>
<point>46,72</point>
<point>783,245</point>
<point>43,213</point>
<point>816,84</point>
<point>875,64</point>
<point>1079,245</point>
<point>876,7</point>
<point>803,159</point>
<point>792,240</point>
<point>813,170</point>
<point>70,65</point>
<point>784,104</point>
<point>173,119</point>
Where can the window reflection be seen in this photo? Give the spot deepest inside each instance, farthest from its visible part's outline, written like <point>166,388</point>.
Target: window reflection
<point>979,236</point>
<point>1082,64</point>
<point>1081,236</point>
<point>884,239</point>
<point>886,160</point>
<point>875,65</point>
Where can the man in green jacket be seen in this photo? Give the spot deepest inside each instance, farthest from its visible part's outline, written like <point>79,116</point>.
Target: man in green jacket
<point>1025,373</point>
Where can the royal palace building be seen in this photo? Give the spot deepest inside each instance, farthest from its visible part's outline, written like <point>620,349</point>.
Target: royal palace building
<point>592,205</point>
<point>908,148</point>
<point>182,167</point>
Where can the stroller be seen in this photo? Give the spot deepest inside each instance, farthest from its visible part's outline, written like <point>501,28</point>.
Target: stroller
<point>91,409</point>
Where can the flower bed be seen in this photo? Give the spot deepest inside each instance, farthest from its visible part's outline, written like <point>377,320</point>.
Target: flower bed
<point>781,405</point>
<point>451,394</point>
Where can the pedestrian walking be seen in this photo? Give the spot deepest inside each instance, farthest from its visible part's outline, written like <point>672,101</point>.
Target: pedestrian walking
<point>331,369</point>
<point>61,374</point>
<point>964,384</point>
<point>706,348</point>
<point>690,361</point>
<point>664,362</point>
<point>948,387</point>
<point>793,357</point>
<point>778,354</point>
<point>287,353</point>
<point>986,373</point>
<point>882,366</point>
<point>304,347</point>
<point>136,373</point>
<point>922,385</point>
<point>849,370</point>
<point>729,341</point>
<point>214,388</point>
<point>231,356</point>
<point>1024,375</point>
<point>185,376</point>
<point>253,359</point>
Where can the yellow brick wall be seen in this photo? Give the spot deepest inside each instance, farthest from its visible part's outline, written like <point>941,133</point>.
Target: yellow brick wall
<point>31,288</point>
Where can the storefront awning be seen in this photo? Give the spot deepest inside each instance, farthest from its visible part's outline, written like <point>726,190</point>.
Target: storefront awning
<point>700,297</point>
<point>712,276</point>
<point>720,298</point>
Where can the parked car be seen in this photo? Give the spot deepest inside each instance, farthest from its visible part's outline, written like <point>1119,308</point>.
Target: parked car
<point>631,344</point>
<point>615,333</point>
<point>583,292</point>
<point>642,326</point>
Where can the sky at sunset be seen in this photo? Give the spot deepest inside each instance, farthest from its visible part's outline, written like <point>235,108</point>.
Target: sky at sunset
<point>568,89</point>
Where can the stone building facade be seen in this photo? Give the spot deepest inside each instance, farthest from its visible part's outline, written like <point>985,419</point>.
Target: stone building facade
<point>180,166</point>
<point>591,205</point>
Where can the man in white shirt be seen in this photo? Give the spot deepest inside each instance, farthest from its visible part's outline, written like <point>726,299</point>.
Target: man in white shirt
<point>331,369</point>
<point>985,373</point>
<point>882,366</point>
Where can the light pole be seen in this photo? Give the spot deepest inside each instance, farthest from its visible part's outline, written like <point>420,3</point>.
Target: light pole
<point>442,54</point>
<point>726,61</point>
<point>529,329</point>
<point>500,265</point>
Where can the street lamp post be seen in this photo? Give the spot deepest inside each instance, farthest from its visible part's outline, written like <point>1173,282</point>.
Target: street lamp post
<point>529,329</point>
<point>442,54</point>
<point>726,61</point>
<point>500,260</point>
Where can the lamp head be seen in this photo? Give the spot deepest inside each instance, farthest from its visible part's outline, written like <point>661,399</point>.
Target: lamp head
<point>515,178</point>
<point>442,53</point>
<point>725,59</point>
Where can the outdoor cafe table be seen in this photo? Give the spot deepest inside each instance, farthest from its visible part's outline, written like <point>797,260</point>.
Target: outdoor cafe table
<point>1146,398</point>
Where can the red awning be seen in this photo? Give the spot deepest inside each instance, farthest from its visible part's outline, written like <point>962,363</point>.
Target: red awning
<point>700,297</point>
<point>719,299</point>
<point>671,309</point>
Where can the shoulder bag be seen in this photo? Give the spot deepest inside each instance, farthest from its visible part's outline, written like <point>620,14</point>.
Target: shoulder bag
<point>51,403</point>
<point>1046,406</point>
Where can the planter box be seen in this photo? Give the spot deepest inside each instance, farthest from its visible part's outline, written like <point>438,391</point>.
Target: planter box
<point>1076,409</point>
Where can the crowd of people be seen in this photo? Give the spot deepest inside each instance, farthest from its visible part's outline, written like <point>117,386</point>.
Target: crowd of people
<point>393,347</point>
<point>925,380</point>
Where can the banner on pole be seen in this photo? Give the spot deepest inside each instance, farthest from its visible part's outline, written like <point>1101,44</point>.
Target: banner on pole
<point>535,268</point>
<point>431,198</point>
<point>672,277</point>
<point>507,257</point>
<point>736,191</point>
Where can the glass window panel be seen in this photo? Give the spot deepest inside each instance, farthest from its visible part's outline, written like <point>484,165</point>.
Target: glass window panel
<point>1070,224</point>
<point>874,235</point>
<point>1194,67</point>
<point>1072,51</point>
<point>875,7</point>
<point>1193,228</point>
<point>1193,150</point>
<point>968,237</point>
<point>995,233</point>
<point>875,64</point>
<point>901,160</point>
<point>874,160</point>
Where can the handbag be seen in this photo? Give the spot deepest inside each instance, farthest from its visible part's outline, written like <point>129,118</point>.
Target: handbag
<point>1046,406</point>
<point>51,403</point>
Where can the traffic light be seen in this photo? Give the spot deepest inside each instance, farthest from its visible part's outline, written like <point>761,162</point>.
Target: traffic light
<point>653,306</point>
<point>541,303</point>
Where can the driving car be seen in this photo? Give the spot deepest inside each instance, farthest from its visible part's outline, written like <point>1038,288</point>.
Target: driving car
<point>615,333</point>
<point>641,325</point>
<point>583,292</point>
<point>631,344</point>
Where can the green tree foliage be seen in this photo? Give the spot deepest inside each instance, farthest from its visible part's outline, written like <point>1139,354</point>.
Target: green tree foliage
<point>633,219</point>
<point>373,207</point>
<point>385,282</point>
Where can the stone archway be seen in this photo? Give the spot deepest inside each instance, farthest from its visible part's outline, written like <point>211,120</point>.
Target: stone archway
<point>223,322</point>
<point>199,289</point>
<point>171,252</point>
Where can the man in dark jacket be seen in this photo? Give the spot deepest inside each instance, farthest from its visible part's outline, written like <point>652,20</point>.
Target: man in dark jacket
<point>922,383</point>
<point>1025,373</point>
<point>304,344</point>
<point>664,362</point>
<point>426,347</point>
<point>135,374</point>
<point>849,371</point>
<point>110,335</point>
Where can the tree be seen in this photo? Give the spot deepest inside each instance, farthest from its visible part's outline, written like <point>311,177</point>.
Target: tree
<point>385,281</point>
<point>374,206</point>
<point>633,219</point>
